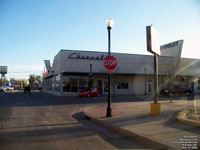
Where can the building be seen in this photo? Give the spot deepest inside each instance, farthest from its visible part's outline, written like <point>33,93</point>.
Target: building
<point>133,75</point>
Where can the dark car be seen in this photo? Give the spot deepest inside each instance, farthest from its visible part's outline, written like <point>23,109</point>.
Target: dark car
<point>1,89</point>
<point>86,92</point>
<point>176,90</point>
<point>27,89</point>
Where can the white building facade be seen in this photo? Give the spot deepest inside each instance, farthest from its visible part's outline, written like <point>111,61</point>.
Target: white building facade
<point>133,75</point>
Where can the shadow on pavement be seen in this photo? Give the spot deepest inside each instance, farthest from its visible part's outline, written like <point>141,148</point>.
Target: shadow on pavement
<point>35,126</point>
<point>132,120</point>
<point>18,99</point>
<point>114,139</point>
<point>61,131</point>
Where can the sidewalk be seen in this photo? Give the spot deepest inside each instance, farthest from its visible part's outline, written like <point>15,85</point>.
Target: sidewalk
<point>133,119</point>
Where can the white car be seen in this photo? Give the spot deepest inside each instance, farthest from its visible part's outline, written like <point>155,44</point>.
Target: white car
<point>8,88</point>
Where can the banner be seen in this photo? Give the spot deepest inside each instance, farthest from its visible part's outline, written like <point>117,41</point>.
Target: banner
<point>47,65</point>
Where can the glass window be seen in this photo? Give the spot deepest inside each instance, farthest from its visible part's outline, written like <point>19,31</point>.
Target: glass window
<point>83,84</point>
<point>57,83</point>
<point>74,85</point>
<point>66,84</point>
<point>48,83</point>
<point>105,86</point>
<point>122,86</point>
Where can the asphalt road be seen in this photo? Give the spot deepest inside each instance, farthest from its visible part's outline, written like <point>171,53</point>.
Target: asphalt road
<point>39,121</point>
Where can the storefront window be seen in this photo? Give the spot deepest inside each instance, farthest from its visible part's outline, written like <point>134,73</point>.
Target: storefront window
<point>122,86</point>
<point>57,83</point>
<point>105,86</point>
<point>74,85</point>
<point>66,84</point>
<point>83,84</point>
<point>48,84</point>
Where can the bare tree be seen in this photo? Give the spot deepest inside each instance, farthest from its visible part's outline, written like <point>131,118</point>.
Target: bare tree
<point>170,72</point>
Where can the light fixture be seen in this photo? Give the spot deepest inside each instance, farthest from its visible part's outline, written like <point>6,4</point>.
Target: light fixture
<point>109,22</point>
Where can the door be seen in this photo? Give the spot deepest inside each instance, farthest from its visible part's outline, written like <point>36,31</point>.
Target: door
<point>105,86</point>
<point>99,86</point>
<point>149,87</point>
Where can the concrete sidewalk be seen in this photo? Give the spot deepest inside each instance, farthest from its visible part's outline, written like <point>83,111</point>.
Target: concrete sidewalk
<point>133,119</point>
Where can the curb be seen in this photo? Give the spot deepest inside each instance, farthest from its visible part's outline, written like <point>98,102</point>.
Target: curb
<point>133,136</point>
<point>188,121</point>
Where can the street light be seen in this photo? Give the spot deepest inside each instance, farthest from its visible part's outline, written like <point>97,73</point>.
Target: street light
<point>90,75</point>
<point>109,23</point>
<point>145,81</point>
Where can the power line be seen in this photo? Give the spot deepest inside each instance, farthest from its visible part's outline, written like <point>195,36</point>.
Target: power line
<point>27,72</point>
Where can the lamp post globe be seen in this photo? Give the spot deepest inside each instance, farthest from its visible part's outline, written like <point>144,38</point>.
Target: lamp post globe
<point>110,22</point>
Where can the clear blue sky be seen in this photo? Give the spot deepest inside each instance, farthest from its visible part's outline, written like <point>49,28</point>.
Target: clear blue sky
<point>34,30</point>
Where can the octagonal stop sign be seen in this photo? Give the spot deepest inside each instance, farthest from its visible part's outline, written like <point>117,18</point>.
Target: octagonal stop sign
<point>110,62</point>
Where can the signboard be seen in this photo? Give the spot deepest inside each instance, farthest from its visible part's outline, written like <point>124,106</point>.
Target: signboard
<point>172,49</point>
<point>47,65</point>
<point>110,62</point>
<point>3,69</point>
<point>153,40</point>
<point>79,56</point>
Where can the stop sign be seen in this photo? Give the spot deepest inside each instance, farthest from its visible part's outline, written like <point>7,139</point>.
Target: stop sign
<point>110,62</point>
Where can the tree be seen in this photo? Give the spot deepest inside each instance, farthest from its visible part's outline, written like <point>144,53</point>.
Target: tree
<point>1,81</point>
<point>38,78</point>
<point>170,72</point>
<point>24,82</point>
<point>31,79</point>
<point>12,81</point>
<point>115,79</point>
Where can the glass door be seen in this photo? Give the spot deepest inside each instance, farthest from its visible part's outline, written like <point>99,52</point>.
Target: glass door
<point>105,86</point>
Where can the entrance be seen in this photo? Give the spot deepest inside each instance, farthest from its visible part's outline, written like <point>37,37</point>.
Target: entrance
<point>99,86</point>
<point>149,87</point>
<point>105,86</point>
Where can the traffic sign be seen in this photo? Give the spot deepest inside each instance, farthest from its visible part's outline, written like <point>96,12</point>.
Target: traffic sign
<point>110,62</point>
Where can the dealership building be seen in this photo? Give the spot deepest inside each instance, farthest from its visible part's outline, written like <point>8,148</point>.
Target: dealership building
<point>70,71</point>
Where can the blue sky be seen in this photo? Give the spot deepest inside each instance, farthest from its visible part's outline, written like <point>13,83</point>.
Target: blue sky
<point>34,30</point>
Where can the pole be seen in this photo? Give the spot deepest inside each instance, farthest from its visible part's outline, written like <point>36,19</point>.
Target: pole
<point>145,71</point>
<point>109,109</point>
<point>90,80</point>
<point>155,78</point>
<point>1,81</point>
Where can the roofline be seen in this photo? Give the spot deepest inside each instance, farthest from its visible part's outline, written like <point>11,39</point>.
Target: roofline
<point>96,51</point>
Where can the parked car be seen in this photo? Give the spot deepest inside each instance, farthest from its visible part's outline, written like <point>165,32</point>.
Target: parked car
<point>8,88</point>
<point>1,89</point>
<point>176,90</point>
<point>27,89</point>
<point>86,92</point>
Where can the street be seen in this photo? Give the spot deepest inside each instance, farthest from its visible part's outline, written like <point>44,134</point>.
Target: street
<point>45,122</point>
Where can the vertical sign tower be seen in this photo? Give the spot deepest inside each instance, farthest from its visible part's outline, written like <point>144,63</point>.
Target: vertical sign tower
<point>153,46</point>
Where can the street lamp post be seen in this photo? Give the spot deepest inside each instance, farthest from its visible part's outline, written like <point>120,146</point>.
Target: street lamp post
<point>90,74</point>
<point>145,82</point>
<point>109,23</point>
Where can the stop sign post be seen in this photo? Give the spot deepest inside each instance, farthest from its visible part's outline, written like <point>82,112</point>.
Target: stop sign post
<point>110,63</point>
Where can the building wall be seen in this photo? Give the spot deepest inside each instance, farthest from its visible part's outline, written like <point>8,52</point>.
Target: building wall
<point>78,62</point>
<point>123,79</point>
